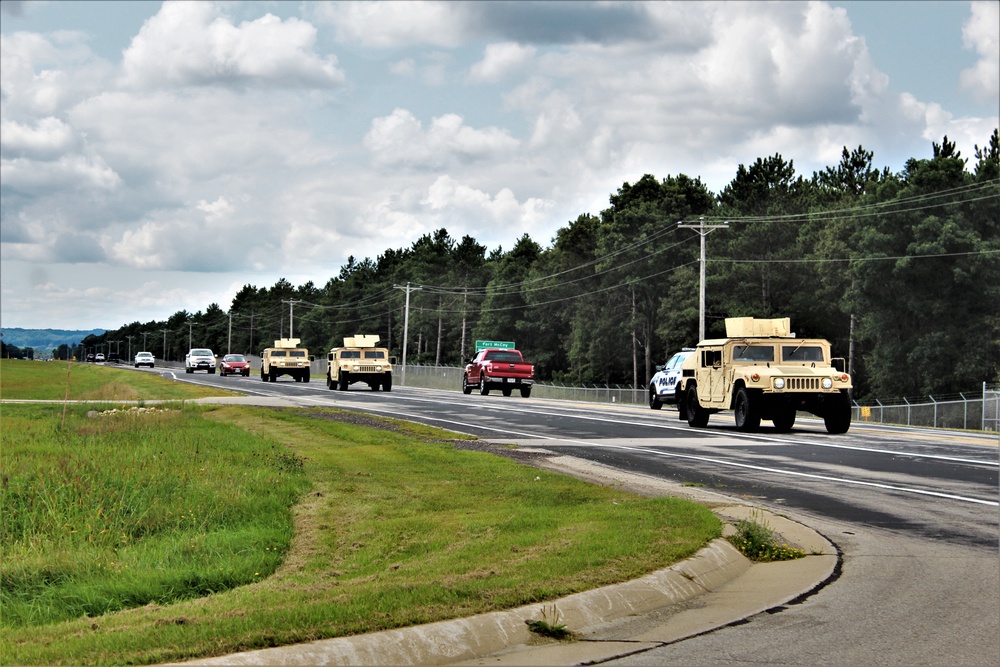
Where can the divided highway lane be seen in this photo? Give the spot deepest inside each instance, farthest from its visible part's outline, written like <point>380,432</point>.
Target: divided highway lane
<point>924,480</point>
<point>914,513</point>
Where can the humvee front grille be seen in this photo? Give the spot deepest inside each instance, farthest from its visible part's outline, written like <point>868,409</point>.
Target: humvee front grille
<point>368,369</point>
<point>802,384</point>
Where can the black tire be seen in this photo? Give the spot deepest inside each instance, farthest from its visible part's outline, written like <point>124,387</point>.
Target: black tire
<point>525,392</point>
<point>188,370</point>
<point>305,376</point>
<point>373,385</point>
<point>838,414</point>
<point>344,382</point>
<point>654,402</point>
<point>466,387</point>
<point>387,383</point>
<point>747,411</point>
<point>484,389</point>
<point>507,391</point>
<point>263,375</point>
<point>211,371</point>
<point>784,420</point>
<point>330,384</point>
<point>273,376</point>
<point>697,416</point>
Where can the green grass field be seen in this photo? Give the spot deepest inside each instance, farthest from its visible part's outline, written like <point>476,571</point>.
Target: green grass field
<point>144,536</point>
<point>60,380</point>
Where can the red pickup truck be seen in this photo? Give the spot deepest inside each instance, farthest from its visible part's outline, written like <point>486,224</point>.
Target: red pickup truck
<point>499,369</point>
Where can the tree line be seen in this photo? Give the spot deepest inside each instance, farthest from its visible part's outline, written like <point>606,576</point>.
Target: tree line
<point>900,271</point>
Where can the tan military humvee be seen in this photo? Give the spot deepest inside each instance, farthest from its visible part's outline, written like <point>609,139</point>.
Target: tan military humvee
<point>762,371</point>
<point>360,360</point>
<point>285,358</point>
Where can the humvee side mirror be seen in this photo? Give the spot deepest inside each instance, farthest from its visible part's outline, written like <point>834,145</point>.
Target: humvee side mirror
<point>839,364</point>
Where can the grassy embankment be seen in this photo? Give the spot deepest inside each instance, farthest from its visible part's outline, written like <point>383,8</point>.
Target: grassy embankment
<point>138,537</point>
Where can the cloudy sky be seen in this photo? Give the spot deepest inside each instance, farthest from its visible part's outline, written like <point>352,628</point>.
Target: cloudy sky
<point>159,156</point>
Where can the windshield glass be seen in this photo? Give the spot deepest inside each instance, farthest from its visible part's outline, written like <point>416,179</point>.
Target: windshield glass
<point>277,353</point>
<point>350,354</point>
<point>297,353</point>
<point>753,353</point>
<point>374,354</point>
<point>503,356</point>
<point>801,353</point>
<point>234,357</point>
<point>201,353</point>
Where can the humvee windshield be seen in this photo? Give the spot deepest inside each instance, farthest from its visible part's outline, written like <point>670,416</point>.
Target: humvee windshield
<point>277,353</point>
<point>801,353</point>
<point>753,353</point>
<point>350,354</point>
<point>374,354</point>
<point>297,353</point>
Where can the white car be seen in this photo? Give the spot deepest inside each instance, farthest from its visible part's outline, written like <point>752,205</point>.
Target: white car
<point>144,359</point>
<point>100,357</point>
<point>199,359</point>
<point>663,386</point>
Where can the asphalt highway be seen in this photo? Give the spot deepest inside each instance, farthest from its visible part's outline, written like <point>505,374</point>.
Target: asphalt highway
<point>914,513</point>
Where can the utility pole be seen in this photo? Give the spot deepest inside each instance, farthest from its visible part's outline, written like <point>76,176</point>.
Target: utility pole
<point>129,347</point>
<point>702,230</point>
<point>291,303</point>
<point>229,343</point>
<point>406,323</point>
<point>190,324</point>
<point>164,343</point>
<point>143,341</point>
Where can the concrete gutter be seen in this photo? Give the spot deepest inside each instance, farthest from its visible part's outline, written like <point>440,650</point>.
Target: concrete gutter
<point>716,587</point>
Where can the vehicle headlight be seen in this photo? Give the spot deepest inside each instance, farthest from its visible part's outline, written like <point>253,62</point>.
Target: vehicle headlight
<point>357,369</point>
<point>827,383</point>
<point>378,369</point>
<point>779,383</point>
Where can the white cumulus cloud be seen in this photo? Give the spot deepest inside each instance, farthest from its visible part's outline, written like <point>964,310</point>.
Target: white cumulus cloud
<point>499,59</point>
<point>400,139</point>
<point>982,34</point>
<point>191,43</point>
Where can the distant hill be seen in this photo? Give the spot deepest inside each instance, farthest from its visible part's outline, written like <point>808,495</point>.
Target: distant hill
<point>45,340</point>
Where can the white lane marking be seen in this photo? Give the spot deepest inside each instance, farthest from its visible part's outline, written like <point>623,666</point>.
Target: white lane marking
<point>687,429</point>
<point>745,436</point>
<point>708,459</point>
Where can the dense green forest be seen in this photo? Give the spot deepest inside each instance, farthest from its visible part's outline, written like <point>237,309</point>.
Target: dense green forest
<point>900,271</point>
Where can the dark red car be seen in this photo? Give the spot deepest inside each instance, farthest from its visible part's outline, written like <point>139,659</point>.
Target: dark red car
<point>234,364</point>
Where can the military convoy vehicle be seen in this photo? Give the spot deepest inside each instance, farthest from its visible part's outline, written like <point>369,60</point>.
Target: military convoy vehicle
<point>761,371</point>
<point>285,358</point>
<point>359,360</point>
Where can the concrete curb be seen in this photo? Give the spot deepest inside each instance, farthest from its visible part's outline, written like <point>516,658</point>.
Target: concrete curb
<point>468,638</point>
<point>714,588</point>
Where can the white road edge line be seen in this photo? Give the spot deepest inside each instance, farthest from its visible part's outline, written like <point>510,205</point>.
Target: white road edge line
<point>706,459</point>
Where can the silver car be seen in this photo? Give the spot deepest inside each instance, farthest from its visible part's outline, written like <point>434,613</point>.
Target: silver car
<point>199,359</point>
<point>663,386</point>
<point>144,359</point>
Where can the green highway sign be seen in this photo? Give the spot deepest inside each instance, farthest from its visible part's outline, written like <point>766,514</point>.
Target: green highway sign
<point>495,345</point>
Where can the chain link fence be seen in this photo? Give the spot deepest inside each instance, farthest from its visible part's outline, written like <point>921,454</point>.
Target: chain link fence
<point>977,411</point>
